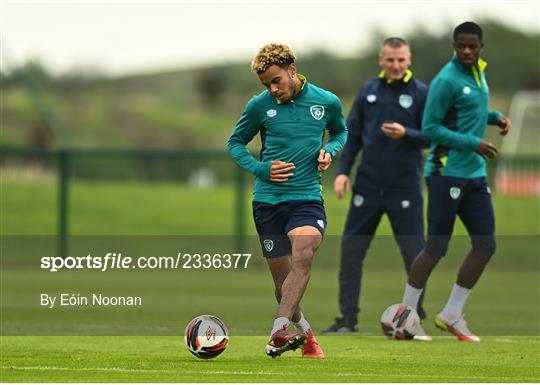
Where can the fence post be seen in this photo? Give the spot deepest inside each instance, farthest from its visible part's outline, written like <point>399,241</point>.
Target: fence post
<point>63,201</point>
<point>240,215</point>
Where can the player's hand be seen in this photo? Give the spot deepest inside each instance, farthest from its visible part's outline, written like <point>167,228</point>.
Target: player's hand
<point>504,124</point>
<point>393,130</point>
<point>342,184</point>
<point>324,160</point>
<point>281,171</point>
<point>487,150</point>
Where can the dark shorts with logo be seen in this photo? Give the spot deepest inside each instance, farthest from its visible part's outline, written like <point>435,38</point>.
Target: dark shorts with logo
<point>470,200</point>
<point>273,222</point>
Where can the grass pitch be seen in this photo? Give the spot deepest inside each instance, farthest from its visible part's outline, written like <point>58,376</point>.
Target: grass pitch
<point>349,359</point>
<point>105,207</point>
<point>504,303</point>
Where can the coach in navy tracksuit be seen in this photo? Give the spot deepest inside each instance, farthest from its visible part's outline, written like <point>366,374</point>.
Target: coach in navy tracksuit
<point>384,123</point>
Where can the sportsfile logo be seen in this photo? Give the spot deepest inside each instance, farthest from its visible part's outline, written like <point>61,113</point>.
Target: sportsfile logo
<point>113,261</point>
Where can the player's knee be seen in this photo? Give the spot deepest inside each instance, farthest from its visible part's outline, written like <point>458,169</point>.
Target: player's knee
<point>484,246</point>
<point>304,252</point>
<point>436,251</point>
<point>301,267</point>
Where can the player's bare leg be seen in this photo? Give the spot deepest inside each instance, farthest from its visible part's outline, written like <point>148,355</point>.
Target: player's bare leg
<point>472,267</point>
<point>291,277</point>
<point>451,317</point>
<point>280,269</point>
<point>421,269</point>
<point>282,339</point>
<point>305,241</point>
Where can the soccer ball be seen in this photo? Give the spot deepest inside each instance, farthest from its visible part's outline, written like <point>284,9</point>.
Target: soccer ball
<point>400,321</point>
<point>206,336</point>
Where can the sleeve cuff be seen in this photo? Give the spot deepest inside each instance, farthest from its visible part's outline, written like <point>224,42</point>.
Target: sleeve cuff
<point>344,169</point>
<point>330,151</point>
<point>263,170</point>
<point>494,117</point>
<point>475,142</point>
<point>408,133</point>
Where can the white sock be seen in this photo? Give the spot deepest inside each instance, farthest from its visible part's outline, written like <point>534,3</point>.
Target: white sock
<point>411,296</point>
<point>279,323</point>
<point>302,324</point>
<point>454,307</point>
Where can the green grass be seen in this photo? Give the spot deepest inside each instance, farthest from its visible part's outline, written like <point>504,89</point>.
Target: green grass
<point>30,207</point>
<point>503,310</point>
<point>503,303</point>
<point>349,359</point>
<point>145,345</point>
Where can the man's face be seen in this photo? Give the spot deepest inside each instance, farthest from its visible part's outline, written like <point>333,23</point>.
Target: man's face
<point>395,61</point>
<point>468,47</point>
<point>280,81</point>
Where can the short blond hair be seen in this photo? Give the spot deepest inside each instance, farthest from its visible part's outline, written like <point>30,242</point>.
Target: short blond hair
<point>270,54</point>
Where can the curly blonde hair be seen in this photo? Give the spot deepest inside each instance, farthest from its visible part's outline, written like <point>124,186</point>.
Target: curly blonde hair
<point>270,54</point>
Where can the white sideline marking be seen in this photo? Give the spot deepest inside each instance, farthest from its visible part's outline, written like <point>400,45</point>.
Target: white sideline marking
<point>507,341</point>
<point>258,373</point>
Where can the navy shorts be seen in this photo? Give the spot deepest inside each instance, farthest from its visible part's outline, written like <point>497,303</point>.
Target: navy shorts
<point>273,222</point>
<point>470,199</point>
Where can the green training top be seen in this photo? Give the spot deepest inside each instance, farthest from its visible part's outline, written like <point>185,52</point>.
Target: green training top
<point>291,132</point>
<point>455,119</point>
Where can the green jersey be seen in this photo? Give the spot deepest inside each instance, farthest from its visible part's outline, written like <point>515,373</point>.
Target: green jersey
<point>291,132</point>
<point>455,119</point>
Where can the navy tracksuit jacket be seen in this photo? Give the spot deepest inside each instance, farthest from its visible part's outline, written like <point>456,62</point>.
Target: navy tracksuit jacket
<point>388,179</point>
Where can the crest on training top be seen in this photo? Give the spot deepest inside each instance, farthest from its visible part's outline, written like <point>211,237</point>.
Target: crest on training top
<point>371,98</point>
<point>405,100</point>
<point>317,112</point>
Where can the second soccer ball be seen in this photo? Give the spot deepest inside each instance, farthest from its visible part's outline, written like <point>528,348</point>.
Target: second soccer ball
<point>400,321</point>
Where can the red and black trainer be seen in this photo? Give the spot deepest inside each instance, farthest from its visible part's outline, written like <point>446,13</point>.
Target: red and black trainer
<point>284,340</point>
<point>311,348</point>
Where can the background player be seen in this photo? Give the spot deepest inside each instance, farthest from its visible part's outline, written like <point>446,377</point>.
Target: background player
<point>455,120</point>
